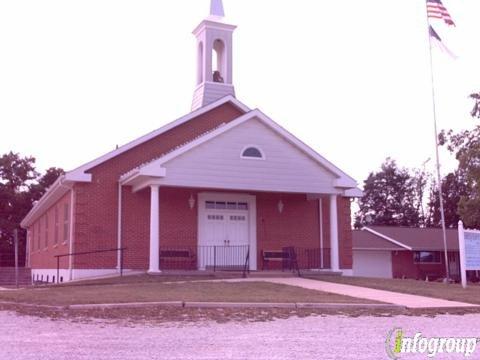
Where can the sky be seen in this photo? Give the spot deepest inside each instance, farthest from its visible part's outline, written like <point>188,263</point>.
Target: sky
<point>349,78</point>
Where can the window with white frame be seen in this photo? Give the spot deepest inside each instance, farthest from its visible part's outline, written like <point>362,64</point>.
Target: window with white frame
<point>66,222</point>
<point>55,236</point>
<point>427,257</point>
<point>46,230</point>
<point>39,234</point>
<point>32,239</point>
<point>226,205</point>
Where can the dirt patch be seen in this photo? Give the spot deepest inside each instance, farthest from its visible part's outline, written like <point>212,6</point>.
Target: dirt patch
<point>156,315</point>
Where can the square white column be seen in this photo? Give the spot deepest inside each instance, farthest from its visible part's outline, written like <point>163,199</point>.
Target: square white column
<point>154,264</point>
<point>334,247</point>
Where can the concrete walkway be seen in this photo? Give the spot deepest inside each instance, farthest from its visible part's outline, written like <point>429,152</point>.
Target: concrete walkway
<point>407,300</point>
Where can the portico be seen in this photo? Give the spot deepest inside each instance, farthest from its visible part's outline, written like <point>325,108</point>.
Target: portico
<point>230,179</point>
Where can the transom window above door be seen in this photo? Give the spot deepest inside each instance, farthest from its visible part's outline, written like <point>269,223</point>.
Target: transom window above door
<point>226,205</point>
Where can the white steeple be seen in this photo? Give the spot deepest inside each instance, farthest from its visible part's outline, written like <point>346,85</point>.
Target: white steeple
<point>214,57</point>
<point>216,8</point>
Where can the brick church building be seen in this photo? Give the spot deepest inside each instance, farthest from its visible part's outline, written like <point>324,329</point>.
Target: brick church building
<point>219,187</point>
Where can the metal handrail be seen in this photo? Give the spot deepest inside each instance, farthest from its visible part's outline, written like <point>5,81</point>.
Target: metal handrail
<point>88,253</point>
<point>246,268</point>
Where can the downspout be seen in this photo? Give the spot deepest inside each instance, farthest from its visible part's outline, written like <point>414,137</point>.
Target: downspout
<point>70,230</point>
<point>119,225</point>
<point>70,258</point>
<point>320,225</point>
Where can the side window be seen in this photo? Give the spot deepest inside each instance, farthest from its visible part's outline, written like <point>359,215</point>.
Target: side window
<point>66,222</point>
<point>46,230</point>
<point>55,236</point>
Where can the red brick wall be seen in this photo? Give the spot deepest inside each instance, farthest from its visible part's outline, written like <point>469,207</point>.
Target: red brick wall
<point>43,257</point>
<point>297,225</point>
<point>345,233</point>
<point>404,266</point>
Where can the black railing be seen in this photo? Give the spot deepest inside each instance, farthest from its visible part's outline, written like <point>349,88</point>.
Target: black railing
<point>120,250</point>
<point>313,258</point>
<point>246,268</point>
<point>216,258</point>
<point>7,259</point>
<point>292,258</point>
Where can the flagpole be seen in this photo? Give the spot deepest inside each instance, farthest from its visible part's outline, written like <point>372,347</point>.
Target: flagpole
<point>437,155</point>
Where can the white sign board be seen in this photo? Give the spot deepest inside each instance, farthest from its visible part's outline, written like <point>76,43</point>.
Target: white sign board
<point>469,246</point>
<point>472,250</point>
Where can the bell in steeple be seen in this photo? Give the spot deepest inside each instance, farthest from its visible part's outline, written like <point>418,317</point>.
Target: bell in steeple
<point>214,58</point>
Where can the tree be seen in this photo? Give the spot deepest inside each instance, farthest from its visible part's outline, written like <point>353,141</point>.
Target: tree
<point>454,187</point>
<point>44,182</point>
<point>20,186</point>
<point>466,147</point>
<point>392,196</point>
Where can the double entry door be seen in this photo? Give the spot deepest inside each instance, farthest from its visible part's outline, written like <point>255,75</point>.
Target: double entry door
<point>225,234</point>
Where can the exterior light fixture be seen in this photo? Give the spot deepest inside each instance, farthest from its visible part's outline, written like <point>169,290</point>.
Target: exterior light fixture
<point>191,202</point>
<point>280,206</point>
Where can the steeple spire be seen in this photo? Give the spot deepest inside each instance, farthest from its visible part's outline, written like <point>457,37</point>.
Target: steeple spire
<point>216,8</point>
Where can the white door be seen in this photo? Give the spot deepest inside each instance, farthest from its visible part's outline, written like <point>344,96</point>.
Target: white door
<point>372,264</point>
<point>225,234</point>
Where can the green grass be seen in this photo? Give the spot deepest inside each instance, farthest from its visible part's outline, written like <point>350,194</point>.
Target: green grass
<point>156,289</point>
<point>438,290</point>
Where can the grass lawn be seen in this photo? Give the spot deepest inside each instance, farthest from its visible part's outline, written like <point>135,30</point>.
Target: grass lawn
<point>453,292</point>
<point>152,289</point>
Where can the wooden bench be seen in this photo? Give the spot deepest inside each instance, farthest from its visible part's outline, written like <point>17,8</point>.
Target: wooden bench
<point>274,255</point>
<point>176,257</point>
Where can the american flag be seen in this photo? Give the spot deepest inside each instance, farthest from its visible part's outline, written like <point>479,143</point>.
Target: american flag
<point>436,10</point>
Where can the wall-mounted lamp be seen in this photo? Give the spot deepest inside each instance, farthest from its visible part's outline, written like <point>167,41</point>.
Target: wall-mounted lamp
<point>280,206</point>
<point>191,202</point>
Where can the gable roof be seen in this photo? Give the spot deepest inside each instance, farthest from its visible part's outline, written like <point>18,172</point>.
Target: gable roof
<point>65,182</point>
<point>343,180</point>
<point>79,174</point>
<point>416,239</point>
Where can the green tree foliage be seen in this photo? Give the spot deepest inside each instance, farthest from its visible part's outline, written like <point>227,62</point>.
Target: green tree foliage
<point>20,186</point>
<point>454,187</point>
<point>392,196</point>
<point>466,147</point>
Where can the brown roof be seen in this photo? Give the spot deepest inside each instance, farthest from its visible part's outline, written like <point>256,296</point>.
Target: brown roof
<point>415,238</point>
<point>365,240</point>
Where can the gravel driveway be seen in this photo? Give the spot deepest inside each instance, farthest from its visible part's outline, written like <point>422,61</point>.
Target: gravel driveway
<point>314,337</point>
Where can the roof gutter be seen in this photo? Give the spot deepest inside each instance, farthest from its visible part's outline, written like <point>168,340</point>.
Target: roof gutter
<point>55,191</point>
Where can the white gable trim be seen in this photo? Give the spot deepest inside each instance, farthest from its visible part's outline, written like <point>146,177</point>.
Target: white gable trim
<point>54,193</point>
<point>353,193</point>
<point>343,181</point>
<point>387,238</point>
<point>79,174</point>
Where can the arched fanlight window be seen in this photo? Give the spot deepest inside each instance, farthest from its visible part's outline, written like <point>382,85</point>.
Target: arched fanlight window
<point>252,152</point>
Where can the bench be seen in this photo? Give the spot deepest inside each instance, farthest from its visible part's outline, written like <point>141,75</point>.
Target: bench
<point>287,256</point>
<point>177,257</point>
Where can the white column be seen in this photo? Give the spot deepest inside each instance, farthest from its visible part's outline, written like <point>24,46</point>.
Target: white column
<point>334,251</point>
<point>154,265</point>
<point>461,247</point>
